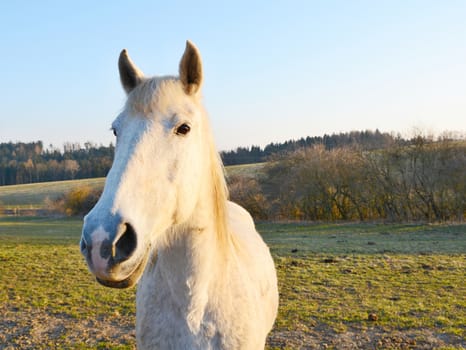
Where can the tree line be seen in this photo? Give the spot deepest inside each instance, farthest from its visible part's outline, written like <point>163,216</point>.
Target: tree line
<point>424,179</point>
<point>22,163</point>
<point>367,140</point>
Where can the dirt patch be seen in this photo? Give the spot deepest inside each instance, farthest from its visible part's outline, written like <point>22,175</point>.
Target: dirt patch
<point>39,329</point>
<point>322,337</point>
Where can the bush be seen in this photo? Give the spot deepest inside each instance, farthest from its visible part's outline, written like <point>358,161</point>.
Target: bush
<point>77,202</point>
<point>424,181</point>
<point>246,191</point>
<point>80,201</point>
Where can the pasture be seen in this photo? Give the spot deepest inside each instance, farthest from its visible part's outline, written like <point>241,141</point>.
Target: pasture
<point>342,286</point>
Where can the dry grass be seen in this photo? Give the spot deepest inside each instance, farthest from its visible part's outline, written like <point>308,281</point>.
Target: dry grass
<point>34,195</point>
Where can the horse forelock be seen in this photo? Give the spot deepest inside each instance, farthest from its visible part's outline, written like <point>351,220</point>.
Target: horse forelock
<point>153,94</point>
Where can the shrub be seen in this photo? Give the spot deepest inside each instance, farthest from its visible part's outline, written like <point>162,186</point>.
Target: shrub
<point>246,191</point>
<point>77,202</point>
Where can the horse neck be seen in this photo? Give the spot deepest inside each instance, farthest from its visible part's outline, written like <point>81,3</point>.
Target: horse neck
<point>192,266</point>
<point>199,247</point>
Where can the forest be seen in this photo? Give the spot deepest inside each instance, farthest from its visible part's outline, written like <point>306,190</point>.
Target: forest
<point>22,163</point>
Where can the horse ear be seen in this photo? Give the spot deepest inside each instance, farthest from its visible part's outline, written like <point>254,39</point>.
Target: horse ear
<point>191,69</point>
<point>130,75</point>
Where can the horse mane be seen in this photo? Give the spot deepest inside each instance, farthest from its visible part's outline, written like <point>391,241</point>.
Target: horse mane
<point>220,196</point>
<point>144,99</point>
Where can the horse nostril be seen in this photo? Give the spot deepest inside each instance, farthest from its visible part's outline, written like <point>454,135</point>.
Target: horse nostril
<point>126,245</point>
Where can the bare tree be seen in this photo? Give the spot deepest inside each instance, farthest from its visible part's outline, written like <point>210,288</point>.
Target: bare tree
<point>72,167</point>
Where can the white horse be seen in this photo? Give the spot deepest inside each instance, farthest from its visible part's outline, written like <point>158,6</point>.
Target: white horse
<point>213,284</point>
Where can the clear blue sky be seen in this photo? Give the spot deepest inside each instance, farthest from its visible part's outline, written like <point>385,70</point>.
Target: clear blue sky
<point>274,70</point>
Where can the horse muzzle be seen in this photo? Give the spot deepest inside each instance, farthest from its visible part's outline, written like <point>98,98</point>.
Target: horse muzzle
<point>113,253</point>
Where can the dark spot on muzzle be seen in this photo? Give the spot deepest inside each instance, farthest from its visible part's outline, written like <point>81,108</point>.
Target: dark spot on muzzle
<point>106,249</point>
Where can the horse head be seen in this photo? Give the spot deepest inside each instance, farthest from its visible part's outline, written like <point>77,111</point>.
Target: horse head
<point>157,174</point>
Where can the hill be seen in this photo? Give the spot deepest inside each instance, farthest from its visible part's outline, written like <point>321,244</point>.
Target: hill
<point>33,196</point>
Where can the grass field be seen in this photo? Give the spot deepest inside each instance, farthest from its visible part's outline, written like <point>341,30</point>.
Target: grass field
<point>342,286</point>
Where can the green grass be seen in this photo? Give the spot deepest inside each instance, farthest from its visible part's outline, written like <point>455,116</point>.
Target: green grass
<point>42,272</point>
<point>334,275</point>
<point>330,276</point>
<point>365,238</point>
<point>404,291</point>
<point>42,267</point>
<point>248,170</point>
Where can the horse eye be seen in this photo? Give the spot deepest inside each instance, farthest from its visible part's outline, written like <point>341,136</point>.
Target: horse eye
<point>183,129</point>
<point>114,132</point>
